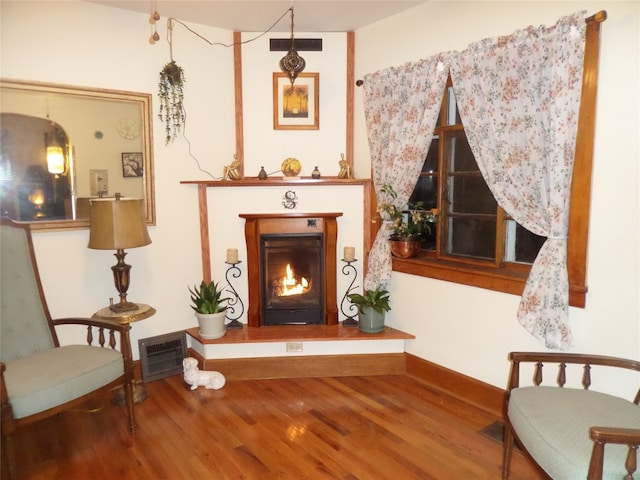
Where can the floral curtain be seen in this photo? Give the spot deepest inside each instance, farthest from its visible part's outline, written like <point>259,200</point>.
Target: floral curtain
<point>401,109</point>
<point>519,98</point>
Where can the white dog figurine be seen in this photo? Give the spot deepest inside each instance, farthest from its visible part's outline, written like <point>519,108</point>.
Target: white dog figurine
<point>196,377</point>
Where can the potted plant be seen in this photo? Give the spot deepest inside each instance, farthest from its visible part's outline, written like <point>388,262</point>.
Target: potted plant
<point>410,227</point>
<point>171,94</point>
<point>372,307</point>
<point>210,308</point>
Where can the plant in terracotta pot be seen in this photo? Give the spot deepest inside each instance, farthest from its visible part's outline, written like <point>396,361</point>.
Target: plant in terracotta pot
<point>210,307</point>
<point>171,94</point>
<point>410,226</point>
<point>372,307</point>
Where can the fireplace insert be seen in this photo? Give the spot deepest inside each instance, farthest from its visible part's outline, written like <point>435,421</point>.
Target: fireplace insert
<point>292,283</point>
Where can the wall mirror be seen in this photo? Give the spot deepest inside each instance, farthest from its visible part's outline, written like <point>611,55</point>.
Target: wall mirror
<point>63,145</point>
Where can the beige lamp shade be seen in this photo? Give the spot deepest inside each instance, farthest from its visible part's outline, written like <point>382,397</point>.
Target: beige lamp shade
<point>118,224</point>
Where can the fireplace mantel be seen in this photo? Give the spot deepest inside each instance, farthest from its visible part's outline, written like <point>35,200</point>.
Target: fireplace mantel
<point>295,222</point>
<point>279,182</point>
<point>369,227</point>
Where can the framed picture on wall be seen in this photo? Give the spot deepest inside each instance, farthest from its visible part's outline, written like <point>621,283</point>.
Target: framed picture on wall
<point>297,106</point>
<point>132,165</point>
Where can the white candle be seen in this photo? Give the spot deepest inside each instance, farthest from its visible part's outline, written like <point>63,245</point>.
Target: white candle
<point>349,254</point>
<point>232,255</point>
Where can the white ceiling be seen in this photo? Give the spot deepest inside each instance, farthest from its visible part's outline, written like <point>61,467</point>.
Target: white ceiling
<point>260,15</point>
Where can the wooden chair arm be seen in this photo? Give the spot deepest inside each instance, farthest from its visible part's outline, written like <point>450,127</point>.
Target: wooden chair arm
<point>622,436</point>
<point>580,358</point>
<point>562,359</point>
<point>102,325</point>
<point>93,322</point>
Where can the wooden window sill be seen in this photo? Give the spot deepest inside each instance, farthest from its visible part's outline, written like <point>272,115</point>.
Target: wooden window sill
<point>506,280</point>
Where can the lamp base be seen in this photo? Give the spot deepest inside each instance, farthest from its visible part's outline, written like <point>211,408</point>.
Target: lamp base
<point>123,307</point>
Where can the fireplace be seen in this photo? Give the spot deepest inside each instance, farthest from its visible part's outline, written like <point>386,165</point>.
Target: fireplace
<point>291,264</point>
<point>292,284</point>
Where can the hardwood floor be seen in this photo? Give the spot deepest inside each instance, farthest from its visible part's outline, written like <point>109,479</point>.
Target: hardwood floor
<point>379,427</point>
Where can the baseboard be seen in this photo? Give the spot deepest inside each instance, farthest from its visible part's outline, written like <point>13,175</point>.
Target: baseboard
<point>305,366</point>
<point>468,389</point>
<point>472,391</point>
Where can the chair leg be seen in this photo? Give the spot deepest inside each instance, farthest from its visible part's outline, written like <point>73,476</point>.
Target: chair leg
<point>8,463</point>
<point>507,450</point>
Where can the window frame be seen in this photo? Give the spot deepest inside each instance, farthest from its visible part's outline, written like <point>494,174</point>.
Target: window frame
<point>509,277</point>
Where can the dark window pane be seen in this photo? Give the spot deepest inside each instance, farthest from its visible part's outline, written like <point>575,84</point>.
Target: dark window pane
<point>472,237</point>
<point>527,245</point>
<point>470,194</point>
<point>430,165</point>
<point>426,191</point>
<point>458,153</point>
<point>429,239</point>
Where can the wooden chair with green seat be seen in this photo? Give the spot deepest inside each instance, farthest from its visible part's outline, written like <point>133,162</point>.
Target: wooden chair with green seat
<point>38,377</point>
<point>573,433</point>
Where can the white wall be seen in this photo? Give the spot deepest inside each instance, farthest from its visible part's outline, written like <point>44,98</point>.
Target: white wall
<point>471,330</point>
<point>108,48</point>
<point>466,329</point>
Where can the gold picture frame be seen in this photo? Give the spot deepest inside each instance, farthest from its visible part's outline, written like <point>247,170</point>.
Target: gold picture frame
<point>297,106</point>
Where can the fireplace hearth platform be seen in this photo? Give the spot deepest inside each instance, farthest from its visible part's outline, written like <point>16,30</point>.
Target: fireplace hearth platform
<point>301,351</point>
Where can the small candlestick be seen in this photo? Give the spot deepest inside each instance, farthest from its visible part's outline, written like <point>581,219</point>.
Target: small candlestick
<point>349,254</point>
<point>232,255</point>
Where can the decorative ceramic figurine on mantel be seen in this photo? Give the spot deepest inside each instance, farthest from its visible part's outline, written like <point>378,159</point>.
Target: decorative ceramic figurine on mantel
<point>345,168</point>
<point>233,170</point>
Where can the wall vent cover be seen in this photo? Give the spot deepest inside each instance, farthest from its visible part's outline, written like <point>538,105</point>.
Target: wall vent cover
<point>162,356</point>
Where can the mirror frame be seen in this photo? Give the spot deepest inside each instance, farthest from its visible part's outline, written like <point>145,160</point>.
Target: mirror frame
<point>146,129</point>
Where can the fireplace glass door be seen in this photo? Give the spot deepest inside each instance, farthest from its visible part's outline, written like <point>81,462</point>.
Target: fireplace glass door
<point>292,280</point>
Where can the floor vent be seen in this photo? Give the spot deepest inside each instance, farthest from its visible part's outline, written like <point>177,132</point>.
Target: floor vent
<point>162,356</point>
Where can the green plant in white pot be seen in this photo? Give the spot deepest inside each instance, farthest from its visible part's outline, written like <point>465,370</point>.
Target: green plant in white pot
<point>372,307</point>
<point>210,308</point>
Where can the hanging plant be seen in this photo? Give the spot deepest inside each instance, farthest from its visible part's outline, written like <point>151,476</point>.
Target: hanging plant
<point>171,96</point>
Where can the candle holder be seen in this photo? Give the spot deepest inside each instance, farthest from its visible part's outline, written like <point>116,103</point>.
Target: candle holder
<point>350,320</point>
<point>235,302</point>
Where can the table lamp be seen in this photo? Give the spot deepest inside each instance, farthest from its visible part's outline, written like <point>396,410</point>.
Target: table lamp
<point>117,224</point>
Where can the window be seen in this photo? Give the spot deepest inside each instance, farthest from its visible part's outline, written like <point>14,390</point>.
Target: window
<point>473,226</point>
<point>475,242</point>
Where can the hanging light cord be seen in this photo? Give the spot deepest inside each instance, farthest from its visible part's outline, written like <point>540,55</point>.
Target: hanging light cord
<point>170,21</point>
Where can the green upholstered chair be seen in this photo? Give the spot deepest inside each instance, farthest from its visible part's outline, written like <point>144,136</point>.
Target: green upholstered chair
<point>573,433</point>
<point>40,378</point>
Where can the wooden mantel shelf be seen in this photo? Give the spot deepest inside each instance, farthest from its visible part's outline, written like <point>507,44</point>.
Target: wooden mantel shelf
<point>279,182</point>
<point>203,185</point>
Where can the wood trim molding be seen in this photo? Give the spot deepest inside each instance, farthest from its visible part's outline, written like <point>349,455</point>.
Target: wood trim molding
<point>237,68</point>
<point>482,395</point>
<point>291,223</point>
<point>350,97</point>
<point>204,233</point>
<point>470,390</point>
<point>580,201</point>
<point>305,366</point>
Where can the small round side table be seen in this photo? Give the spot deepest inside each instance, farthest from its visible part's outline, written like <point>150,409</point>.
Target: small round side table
<point>143,311</point>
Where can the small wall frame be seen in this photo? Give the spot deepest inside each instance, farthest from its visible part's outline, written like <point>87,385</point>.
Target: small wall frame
<point>297,106</point>
<point>132,165</point>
